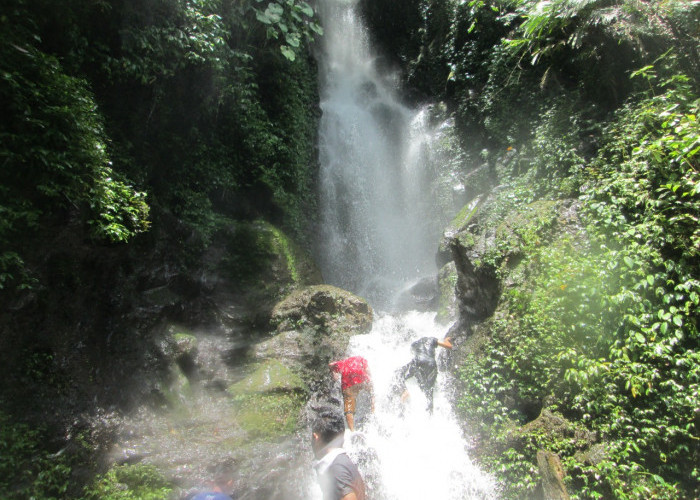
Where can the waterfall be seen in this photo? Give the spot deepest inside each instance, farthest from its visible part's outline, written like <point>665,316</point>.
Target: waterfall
<point>381,222</point>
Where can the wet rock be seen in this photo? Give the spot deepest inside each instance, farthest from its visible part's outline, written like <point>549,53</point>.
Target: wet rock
<point>552,476</point>
<point>312,326</point>
<point>327,307</point>
<point>448,308</point>
<point>179,388</point>
<point>270,376</point>
<point>422,296</point>
<point>477,287</point>
<point>267,403</point>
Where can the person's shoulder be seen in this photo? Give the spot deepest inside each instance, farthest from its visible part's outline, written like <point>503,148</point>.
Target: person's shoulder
<point>343,461</point>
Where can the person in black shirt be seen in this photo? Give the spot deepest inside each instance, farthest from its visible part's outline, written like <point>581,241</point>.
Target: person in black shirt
<point>423,367</point>
<point>338,476</point>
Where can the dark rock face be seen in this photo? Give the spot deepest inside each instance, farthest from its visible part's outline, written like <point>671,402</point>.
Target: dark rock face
<point>477,288</point>
<point>447,307</point>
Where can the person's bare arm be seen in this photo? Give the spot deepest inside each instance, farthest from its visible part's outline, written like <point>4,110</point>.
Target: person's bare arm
<point>350,496</point>
<point>446,343</point>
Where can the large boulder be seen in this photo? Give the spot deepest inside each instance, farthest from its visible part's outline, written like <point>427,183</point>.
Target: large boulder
<point>323,306</point>
<point>313,325</point>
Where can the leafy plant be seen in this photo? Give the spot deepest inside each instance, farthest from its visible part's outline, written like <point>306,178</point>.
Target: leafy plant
<point>291,22</point>
<point>27,470</point>
<point>130,482</point>
<point>602,317</point>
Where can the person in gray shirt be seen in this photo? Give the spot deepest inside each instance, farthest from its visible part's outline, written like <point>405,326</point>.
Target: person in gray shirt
<point>338,476</point>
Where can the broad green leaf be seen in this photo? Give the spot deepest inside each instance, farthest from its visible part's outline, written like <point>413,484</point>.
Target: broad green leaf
<point>288,52</point>
<point>263,17</point>
<point>306,9</point>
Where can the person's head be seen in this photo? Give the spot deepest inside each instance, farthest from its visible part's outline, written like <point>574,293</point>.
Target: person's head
<point>327,427</point>
<point>222,475</point>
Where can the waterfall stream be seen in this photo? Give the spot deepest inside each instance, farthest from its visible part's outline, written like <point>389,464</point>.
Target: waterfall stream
<point>381,224</point>
<point>379,215</point>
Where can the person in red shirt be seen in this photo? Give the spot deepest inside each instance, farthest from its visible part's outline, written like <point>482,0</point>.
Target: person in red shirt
<point>354,376</point>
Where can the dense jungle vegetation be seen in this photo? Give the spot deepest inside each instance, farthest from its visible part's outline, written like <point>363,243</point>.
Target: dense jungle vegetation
<point>137,130</point>
<point>133,135</point>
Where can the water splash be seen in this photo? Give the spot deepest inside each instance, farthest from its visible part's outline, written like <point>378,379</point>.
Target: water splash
<point>414,454</point>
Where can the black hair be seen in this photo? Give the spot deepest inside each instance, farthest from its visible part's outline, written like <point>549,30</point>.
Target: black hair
<point>328,423</point>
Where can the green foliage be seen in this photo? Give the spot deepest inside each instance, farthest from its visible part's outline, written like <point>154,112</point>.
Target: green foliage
<point>185,98</point>
<point>54,154</point>
<point>189,35</point>
<point>26,469</point>
<point>130,482</point>
<point>604,320</point>
<point>289,21</point>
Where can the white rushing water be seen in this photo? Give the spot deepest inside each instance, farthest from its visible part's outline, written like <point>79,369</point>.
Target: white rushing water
<point>380,228</point>
<point>380,220</point>
<point>418,455</point>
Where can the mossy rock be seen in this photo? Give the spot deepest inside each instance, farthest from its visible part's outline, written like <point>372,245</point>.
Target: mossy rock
<point>325,306</point>
<point>176,391</point>
<point>465,216</point>
<point>260,252</point>
<point>447,300</point>
<point>268,416</point>
<point>270,376</point>
<point>186,343</point>
<point>267,402</point>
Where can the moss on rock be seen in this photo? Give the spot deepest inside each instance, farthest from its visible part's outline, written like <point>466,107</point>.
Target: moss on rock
<point>324,306</point>
<point>270,376</point>
<point>267,402</point>
<point>447,300</point>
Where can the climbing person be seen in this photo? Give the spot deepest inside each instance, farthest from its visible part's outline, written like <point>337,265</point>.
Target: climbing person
<point>337,474</point>
<point>423,367</point>
<point>354,377</point>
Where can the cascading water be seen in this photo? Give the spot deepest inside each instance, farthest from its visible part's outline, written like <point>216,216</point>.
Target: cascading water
<point>381,223</point>
<point>378,210</point>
